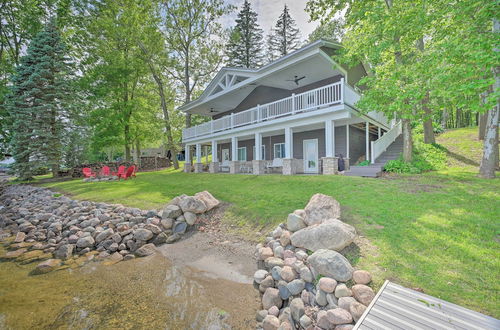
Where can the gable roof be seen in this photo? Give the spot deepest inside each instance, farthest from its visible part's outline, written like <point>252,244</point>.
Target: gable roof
<point>229,78</point>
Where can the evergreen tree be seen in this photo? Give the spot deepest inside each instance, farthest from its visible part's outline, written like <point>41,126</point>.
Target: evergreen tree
<point>37,102</point>
<point>284,38</point>
<point>245,44</point>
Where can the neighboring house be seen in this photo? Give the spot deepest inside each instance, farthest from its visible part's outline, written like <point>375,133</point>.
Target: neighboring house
<point>298,112</point>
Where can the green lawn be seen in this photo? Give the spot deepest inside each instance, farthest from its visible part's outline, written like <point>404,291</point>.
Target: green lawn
<point>438,231</point>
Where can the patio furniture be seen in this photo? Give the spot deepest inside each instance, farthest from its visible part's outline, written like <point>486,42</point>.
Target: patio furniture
<point>130,173</point>
<point>87,172</point>
<point>121,172</point>
<point>277,163</point>
<point>244,168</point>
<point>224,167</point>
<point>105,171</point>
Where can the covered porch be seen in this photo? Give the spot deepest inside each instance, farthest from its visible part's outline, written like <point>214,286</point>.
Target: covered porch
<point>312,148</point>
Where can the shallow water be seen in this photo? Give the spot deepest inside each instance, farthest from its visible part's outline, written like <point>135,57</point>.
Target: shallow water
<point>142,293</point>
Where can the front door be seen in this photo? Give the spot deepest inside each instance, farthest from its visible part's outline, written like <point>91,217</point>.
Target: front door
<point>225,156</point>
<point>311,156</point>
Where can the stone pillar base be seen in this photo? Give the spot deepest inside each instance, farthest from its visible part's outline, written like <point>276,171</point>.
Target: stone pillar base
<point>347,163</point>
<point>330,165</point>
<point>187,167</point>
<point>289,167</point>
<point>198,167</point>
<point>258,167</point>
<point>234,167</point>
<point>213,167</point>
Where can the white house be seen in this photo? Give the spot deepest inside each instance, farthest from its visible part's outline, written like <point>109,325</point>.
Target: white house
<point>299,112</point>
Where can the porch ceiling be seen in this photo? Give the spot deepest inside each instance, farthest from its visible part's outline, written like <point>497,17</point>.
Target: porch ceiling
<point>315,68</point>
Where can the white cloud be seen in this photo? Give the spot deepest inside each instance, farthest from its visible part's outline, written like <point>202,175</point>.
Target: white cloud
<point>270,10</point>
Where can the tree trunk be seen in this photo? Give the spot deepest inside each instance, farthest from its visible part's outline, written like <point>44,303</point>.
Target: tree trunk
<point>127,142</point>
<point>489,162</point>
<point>428,129</point>
<point>444,119</point>
<point>407,141</point>
<point>166,118</point>
<point>483,119</point>
<point>138,153</point>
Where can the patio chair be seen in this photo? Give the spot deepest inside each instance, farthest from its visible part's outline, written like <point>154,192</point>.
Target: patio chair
<point>277,163</point>
<point>105,171</point>
<point>130,173</point>
<point>120,173</point>
<point>224,167</point>
<point>87,172</point>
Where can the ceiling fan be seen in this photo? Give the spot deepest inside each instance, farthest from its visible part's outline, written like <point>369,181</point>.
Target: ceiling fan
<point>296,79</point>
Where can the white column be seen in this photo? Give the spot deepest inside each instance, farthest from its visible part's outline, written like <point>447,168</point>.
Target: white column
<point>198,152</point>
<point>258,146</point>
<point>367,134</point>
<point>234,148</point>
<point>379,132</point>
<point>288,142</point>
<point>188,154</point>
<point>214,151</point>
<point>347,140</point>
<point>329,137</point>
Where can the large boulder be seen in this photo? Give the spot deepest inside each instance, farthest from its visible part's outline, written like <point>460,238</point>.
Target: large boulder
<point>143,234</point>
<point>192,204</point>
<point>64,251</point>
<point>171,211</point>
<point>207,198</point>
<point>295,222</point>
<point>320,208</point>
<point>146,250</point>
<point>47,266</point>
<point>332,264</point>
<point>332,234</point>
<point>364,294</point>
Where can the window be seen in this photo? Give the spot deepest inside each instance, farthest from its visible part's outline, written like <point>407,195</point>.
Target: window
<point>279,150</point>
<point>242,154</point>
<point>263,154</point>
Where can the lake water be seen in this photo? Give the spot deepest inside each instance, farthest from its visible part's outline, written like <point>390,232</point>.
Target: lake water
<point>147,293</point>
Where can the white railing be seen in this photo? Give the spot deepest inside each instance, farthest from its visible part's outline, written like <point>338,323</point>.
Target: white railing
<point>381,145</point>
<point>296,103</point>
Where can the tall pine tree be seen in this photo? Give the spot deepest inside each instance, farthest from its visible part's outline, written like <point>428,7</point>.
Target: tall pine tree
<point>245,44</point>
<point>37,103</point>
<point>284,38</point>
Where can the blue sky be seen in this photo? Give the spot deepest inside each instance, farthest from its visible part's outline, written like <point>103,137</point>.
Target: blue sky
<point>269,11</point>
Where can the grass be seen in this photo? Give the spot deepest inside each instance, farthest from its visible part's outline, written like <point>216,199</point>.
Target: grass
<point>463,147</point>
<point>439,231</point>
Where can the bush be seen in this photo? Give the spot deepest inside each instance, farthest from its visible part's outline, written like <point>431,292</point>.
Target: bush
<point>426,157</point>
<point>41,171</point>
<point>364,163</point>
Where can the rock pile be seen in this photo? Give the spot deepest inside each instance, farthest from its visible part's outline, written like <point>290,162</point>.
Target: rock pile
<point>304,279</point>
<point>62,231</point>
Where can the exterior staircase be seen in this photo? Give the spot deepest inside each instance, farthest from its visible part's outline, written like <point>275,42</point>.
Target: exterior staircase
<point>374,170</point>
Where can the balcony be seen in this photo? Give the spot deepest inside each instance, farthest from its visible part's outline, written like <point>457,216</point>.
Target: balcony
<point>308,101</point>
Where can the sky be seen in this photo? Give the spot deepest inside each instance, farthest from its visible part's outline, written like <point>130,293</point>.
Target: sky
<point>269,10</point>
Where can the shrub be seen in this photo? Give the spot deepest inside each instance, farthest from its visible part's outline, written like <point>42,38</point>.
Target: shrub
<point>426,157</point>
<point>364,163</point>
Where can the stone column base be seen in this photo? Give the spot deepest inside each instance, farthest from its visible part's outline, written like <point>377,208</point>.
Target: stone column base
<point>198,167</point>
<point>258,167</point>
<point>187,167</point>
<point>330,165</point>
<point>213,167</point>
<point>289,166</point>
<point>347,163</point>
<point>234,167</point>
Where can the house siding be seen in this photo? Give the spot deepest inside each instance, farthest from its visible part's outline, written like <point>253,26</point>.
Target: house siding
<point>356,143</point>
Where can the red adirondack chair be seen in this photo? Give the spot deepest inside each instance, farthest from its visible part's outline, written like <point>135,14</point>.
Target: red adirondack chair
<point>120,173</point>
<point>105,171</point>
<point>130,172</point>
<point>87,172</point>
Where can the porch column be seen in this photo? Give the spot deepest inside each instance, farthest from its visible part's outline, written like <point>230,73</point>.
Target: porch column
<point>214,165</point>
<point>187,163</point>
<point>330,162</point>
<point>234,156</point>
<point>198,166</point>
<point>288,161</point>
<point>257,162</point>
<point>379,132</point>
<point>367,136</point>
<point>347,160</point>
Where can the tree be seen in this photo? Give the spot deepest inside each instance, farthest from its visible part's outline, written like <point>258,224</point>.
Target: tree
<point>285,36</point>
<point>332,30</point>
<point>244,48</point>
<point>38,103</point>
<point>193,35</point>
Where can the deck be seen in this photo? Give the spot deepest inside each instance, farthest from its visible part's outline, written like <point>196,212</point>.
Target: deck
<point>397,307</point>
